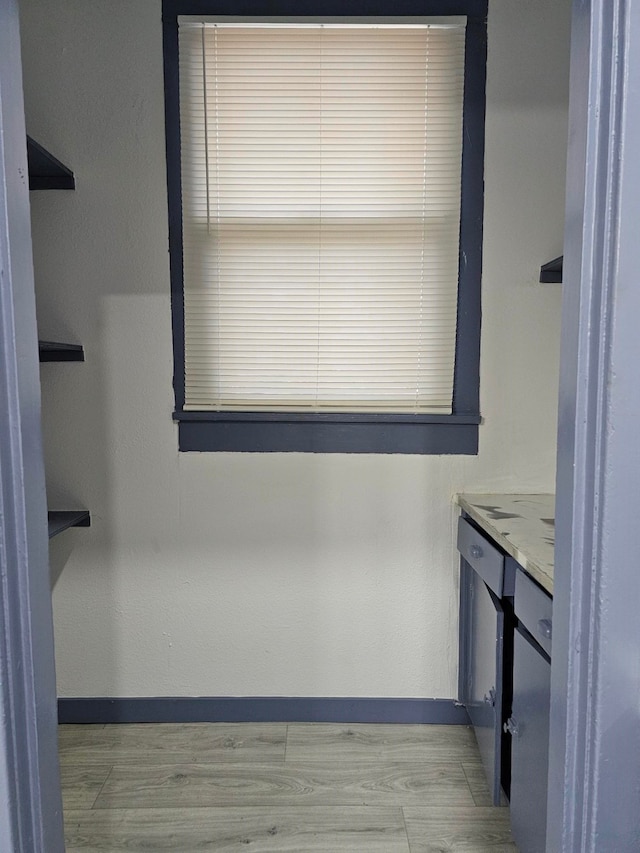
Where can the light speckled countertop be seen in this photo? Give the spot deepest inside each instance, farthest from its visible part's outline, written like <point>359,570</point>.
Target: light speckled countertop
<point>522,525</point>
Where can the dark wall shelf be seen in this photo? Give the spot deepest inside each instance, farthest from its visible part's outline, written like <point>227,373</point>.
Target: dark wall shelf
<point>60,520</point>
<point>551,272</point>
<point>46,172</point>
<point>53,351</point>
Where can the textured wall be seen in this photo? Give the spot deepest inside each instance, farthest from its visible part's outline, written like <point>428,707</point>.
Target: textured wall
<point>275,574</point>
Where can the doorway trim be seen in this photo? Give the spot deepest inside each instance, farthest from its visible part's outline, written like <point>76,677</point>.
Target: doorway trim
<point>594,768</point>
<point>30,801</point>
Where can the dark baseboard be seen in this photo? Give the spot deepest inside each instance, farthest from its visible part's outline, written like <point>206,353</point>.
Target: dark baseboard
<point>260,709</point>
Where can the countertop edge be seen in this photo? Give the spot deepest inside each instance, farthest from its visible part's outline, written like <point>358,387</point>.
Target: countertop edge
<point>527,563</point>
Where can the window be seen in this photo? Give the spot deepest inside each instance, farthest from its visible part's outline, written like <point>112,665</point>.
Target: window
<point>320,203</point>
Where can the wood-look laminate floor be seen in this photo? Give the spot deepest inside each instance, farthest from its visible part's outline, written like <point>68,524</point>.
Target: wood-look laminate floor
<point>277,788</point>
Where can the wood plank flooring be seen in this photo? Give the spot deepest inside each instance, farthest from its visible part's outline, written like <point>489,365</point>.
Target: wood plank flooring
<point>277,788</point>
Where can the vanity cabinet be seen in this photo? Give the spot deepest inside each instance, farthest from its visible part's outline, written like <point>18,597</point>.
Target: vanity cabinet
<point>505,649</point>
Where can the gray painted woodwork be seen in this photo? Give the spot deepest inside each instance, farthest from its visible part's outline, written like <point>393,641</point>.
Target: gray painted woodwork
<point>530,745</point>
<point>534,609</point>
<point>482,555</point>
<point>594,773</point>
<point>481,669</point>
<point>30,803</point>
<point>259,709</point>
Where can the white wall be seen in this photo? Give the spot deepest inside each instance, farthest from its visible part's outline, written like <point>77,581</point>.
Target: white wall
<point>274,574</point>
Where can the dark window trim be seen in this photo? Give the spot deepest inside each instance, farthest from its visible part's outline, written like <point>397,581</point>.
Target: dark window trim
<point>323,433</point>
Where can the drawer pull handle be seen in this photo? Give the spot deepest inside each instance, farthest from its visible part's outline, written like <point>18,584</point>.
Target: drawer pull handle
<point>511,727</point>
<point>476,552</point>
<point>544,628</point>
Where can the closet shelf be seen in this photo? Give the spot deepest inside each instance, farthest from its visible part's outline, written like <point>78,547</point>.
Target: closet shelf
<point>54,351</point>
<point>45,171</point>
<point>551,272</point>
<point>60,520</point>
<point>48,173</point>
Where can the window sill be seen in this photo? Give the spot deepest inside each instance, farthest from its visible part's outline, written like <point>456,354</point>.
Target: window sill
<point>260,432</point>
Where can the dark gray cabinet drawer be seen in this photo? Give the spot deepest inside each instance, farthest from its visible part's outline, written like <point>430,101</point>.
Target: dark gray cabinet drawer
<point>534,607</point>
<point>482,556</point>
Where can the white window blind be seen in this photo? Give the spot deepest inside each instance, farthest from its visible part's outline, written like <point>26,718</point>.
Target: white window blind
<point>321,171</point>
